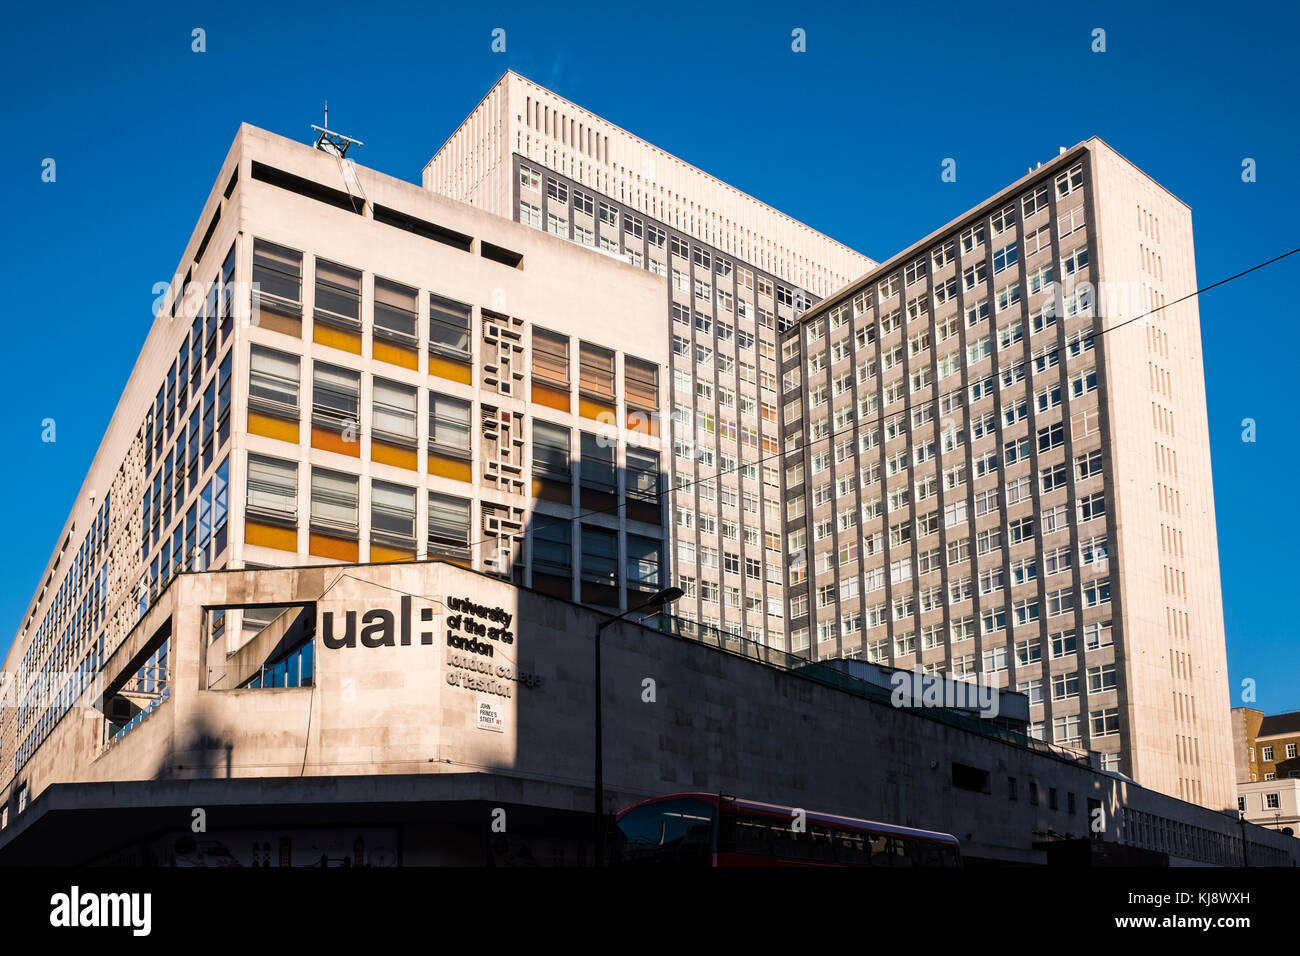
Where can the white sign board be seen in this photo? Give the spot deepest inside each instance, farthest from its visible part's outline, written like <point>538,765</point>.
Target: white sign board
<point>490,716</point>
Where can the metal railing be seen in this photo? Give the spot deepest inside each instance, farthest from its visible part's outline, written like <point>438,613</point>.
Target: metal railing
<point>831,677</point>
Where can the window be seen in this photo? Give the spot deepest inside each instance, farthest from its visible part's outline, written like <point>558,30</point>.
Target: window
<point>644,562</point>
<point>1033,689</point>
<point>1092,506</point>
<point>277,281</point>
<point>1004,258</point>
<point>1105,723</point>
<point>273,382</point>
<point>338,295</point>
<point>551,358</point>
<point>448,526</point>
<point>394,413</point>
<point>641,384</point>
<point>596,371</point>
<point>449,326</point>
<point>1087,465</point>
<point>392,514</point>
<point>599,563</point>
<point>608,215</point>
<point>551,457</point>
<point>449,420</point>
<point>1052,436</point>
<point>395,310</point>
<point>1065,686</point>
<point>552,548</point>
<point>1003,219</point>
<point>336,396</point>
<point>334,501</point>
<point>1034,202</point>
<point>598,471</point>
<point>1070,181</point>
<point>1096,592</point>
<point>1101,678</point>
<point>272,489</point>
<point>642,474</point>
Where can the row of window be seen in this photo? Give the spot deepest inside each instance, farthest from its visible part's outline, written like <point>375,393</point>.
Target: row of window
<point>277,278</point>
<point>335,511</point>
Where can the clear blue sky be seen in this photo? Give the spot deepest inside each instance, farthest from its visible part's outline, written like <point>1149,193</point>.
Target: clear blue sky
<point>847,137</point>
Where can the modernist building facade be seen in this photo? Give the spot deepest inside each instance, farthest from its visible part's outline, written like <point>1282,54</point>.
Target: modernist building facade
<point>737,272</point>
<point>418,713</point>
<point>351,368</point>
<point>997,463</point>
<point>630,386</point>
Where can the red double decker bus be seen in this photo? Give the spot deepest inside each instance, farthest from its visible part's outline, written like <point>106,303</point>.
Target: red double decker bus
<point>708,829</point>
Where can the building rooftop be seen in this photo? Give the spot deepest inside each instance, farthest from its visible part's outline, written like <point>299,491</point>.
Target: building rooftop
<point>1277,724</point>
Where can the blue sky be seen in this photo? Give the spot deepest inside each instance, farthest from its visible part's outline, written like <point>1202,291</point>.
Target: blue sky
<point>848,137</point>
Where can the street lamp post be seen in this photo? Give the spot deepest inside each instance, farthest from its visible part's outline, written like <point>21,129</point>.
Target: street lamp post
<point>658,599</point>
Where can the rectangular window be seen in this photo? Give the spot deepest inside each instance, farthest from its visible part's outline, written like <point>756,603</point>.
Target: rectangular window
<point>273,382</point>
<point>641,384</point>
<point>448,526</point>
<point>552,547</point>
<point>392,514</point>
<point>395,311</point>
<point>551,457</point>
<point>599,564</point>
<point>449,322</point>
<point>334,502</point>
<point>598,466</point>
<point>1101,678</point>
<point>394,413</point>
<point>338,295</point>
<point>1105,723</point>
<point>336,396</point>
<point>1065,686</point>
<point>596,371</point>
<point>277,281</point>
<point>644,563</point>
<point>643,474</point>
<point>551,358</point>
<point>272,489</point>
<point>449,425</point>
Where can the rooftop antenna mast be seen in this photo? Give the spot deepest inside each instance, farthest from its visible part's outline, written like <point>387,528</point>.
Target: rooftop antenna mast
<point>336,144</point>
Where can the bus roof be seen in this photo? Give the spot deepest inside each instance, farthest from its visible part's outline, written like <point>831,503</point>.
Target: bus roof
<point>779,812</point>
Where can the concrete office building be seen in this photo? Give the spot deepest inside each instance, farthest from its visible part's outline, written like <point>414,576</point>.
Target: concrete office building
<point>352,368</point>
<point>738,272</point>
<point>372,372</point>
<point>392,712</point>
<point>998,464</point>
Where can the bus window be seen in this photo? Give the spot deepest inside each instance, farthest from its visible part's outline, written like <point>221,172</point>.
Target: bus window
<point>821,848</point>
<point>851,848</point>
<point>751,836</point>
<point>676,832</point>
<point>881,852</point>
